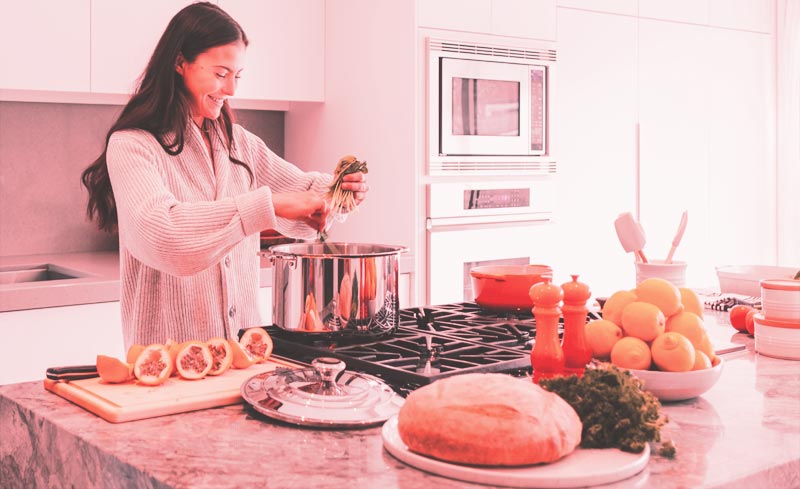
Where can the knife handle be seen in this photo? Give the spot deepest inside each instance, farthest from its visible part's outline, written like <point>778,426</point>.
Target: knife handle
<point>73,372</point>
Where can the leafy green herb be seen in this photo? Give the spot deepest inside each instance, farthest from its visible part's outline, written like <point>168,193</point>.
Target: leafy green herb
<point>614,410</point>
<point>343,201</point>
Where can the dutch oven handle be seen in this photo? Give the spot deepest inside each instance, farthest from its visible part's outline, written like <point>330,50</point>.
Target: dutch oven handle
<point>499,278</point>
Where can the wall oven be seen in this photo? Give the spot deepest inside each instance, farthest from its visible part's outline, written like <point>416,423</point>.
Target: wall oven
<point>485,223</point>
<point>490,108</point>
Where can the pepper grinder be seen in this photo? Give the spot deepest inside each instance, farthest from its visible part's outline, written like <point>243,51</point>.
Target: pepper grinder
<point>576,351</point>
<point>547,357</point>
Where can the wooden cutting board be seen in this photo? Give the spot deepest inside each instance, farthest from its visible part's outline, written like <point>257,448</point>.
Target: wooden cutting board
<point>118,403</point>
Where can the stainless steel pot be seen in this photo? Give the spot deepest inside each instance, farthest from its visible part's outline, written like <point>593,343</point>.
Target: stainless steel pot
<point>335,289</point>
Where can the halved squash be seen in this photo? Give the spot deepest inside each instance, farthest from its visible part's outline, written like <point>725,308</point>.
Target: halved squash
<point>258,343</point>
<point>241,359</point>
<point>113,370</point>
<point>153,365</point>
<point>193,360</point>
<point>222,355</point>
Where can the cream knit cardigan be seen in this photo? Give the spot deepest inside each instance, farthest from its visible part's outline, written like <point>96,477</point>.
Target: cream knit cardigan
<point>189,231</point>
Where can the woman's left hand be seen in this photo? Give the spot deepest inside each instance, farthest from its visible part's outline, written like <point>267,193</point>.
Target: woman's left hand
<point>357,183</point>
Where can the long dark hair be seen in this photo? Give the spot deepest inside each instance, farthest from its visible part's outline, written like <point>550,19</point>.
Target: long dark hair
<point>160,104</point>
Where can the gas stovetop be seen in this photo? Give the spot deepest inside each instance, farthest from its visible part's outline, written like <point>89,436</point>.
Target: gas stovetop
<point>431,343</point>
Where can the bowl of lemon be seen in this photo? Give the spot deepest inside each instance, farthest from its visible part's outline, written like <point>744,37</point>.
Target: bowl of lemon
<point>656,331</point>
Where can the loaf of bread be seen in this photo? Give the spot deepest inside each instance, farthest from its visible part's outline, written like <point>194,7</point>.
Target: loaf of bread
<point>488,419</point>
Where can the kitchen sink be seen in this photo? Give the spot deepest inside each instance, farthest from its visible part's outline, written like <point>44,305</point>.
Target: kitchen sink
<point>37,273</point>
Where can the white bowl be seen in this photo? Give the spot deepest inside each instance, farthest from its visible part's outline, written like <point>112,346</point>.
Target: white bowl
<point>679,386</point>
<point>745,279</point>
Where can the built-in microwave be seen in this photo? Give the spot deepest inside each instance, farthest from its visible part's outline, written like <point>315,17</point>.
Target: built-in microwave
<point>490,105</point>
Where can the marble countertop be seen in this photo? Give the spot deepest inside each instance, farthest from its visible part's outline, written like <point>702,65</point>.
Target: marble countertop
<point>744,432</point>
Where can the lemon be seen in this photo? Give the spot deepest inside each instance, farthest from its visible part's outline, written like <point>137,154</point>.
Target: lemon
<point>630,352</point>
<point>612,309</point>
<point>691,302</point>
<point>601,336</point>
<point>701,361</point>
<point>673,352</point>
<point>661,293</point>
<point>642,320</point>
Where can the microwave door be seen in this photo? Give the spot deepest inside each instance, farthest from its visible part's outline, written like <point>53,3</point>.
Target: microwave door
<point>485,108</point>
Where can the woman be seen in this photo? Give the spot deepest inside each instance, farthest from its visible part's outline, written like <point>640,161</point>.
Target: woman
<point>189,190</point>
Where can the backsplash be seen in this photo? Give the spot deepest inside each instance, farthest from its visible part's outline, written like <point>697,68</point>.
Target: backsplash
<point>44,148</point>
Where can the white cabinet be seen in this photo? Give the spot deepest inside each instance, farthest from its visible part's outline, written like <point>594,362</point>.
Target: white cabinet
<point>752,15</point>
<point>624,7</point>
<point>701,99</point>
<point>513,18</point>
<point>285,58</point>
<point>597,144</point>
<point>124,35</point>
<point>45,46</point>
<point>36,339</point>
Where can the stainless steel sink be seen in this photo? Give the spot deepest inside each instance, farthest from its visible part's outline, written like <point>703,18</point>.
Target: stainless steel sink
<point>37,273</point>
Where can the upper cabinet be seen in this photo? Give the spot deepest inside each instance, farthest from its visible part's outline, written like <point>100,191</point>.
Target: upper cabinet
<point>124,35</point>
<point>45,46</point>
<point>94,48</point>
<point>535,19</point>
<point>285,57</point>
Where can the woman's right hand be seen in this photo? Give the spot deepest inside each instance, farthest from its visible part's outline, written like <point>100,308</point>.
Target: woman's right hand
<point>309,207</point>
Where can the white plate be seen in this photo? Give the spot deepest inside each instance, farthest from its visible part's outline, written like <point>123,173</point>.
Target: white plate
<point>583,467</point>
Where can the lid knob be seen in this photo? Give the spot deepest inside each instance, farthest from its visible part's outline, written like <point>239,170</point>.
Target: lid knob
<point>545,294</point>
<point>328,370</point>
<point>576,292</point>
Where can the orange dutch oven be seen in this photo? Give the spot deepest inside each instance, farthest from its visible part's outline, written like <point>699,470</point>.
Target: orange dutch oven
<point>506,287</point>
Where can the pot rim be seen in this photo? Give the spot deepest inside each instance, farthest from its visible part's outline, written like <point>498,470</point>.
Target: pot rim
<point>331,250</point>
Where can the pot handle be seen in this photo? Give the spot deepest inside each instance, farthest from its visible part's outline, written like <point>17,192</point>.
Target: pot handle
<point>292,259</point>
<point>499,278</point>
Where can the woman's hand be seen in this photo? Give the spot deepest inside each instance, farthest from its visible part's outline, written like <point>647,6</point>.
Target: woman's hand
<point>357,183</point>
<point>308,207</point>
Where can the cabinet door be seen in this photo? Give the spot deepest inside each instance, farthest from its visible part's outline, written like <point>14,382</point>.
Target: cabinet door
<point>458,15</point>
<point>596,131</point>
<point>45,46</point>
<point>285,58</point>
<point>741,162</point>
<point>624,7</point>
<point>674,96</point>
<point>124,35</point>
<point>752,15</point>
<point>694,11</point>
<point>534,19</point>
<point>56,336</point>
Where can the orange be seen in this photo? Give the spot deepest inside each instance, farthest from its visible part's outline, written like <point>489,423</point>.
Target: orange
<point>153,365</point>
<point>222,355</point>
<point>701,361</point>
<point>660,292</point>
<point>612,309</point>
<point>691,326</point>
<point>691,302</point>
<point>133,353</point>
<point>113,370</point>
<point>630,352</point>
<point>673,352</point>
<point>258,343</point>
<point>601,336</point>
<point>193,360</point>
<point>642,320</point>
<point>241,359</point>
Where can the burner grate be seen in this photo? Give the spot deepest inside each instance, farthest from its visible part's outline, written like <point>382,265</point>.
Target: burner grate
<point>430,343</point>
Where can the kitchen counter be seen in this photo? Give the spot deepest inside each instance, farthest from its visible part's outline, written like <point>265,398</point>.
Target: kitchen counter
<point>744,432</point>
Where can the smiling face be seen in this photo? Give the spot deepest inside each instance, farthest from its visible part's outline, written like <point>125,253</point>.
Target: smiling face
<point>211,78</point>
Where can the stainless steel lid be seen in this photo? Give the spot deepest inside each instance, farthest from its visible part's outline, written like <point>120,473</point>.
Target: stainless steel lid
<point>324,395</point>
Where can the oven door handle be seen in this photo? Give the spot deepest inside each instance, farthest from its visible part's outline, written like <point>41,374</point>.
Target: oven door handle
<point>473,221</point>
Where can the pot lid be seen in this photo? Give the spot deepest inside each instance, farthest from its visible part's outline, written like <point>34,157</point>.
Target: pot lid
<point>324,395</point>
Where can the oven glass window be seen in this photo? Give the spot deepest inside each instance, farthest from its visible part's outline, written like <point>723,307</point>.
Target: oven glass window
<point>485,107</point>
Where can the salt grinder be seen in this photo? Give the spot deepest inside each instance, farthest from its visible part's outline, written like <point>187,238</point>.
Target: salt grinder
<point>547,356</point>
<point>576,351</point>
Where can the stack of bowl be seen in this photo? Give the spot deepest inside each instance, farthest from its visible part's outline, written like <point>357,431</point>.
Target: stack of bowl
<point>777,327</point>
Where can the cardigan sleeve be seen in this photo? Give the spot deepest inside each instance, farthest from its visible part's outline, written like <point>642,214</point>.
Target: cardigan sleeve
<point>281,176</point>
<point>180,237</point>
